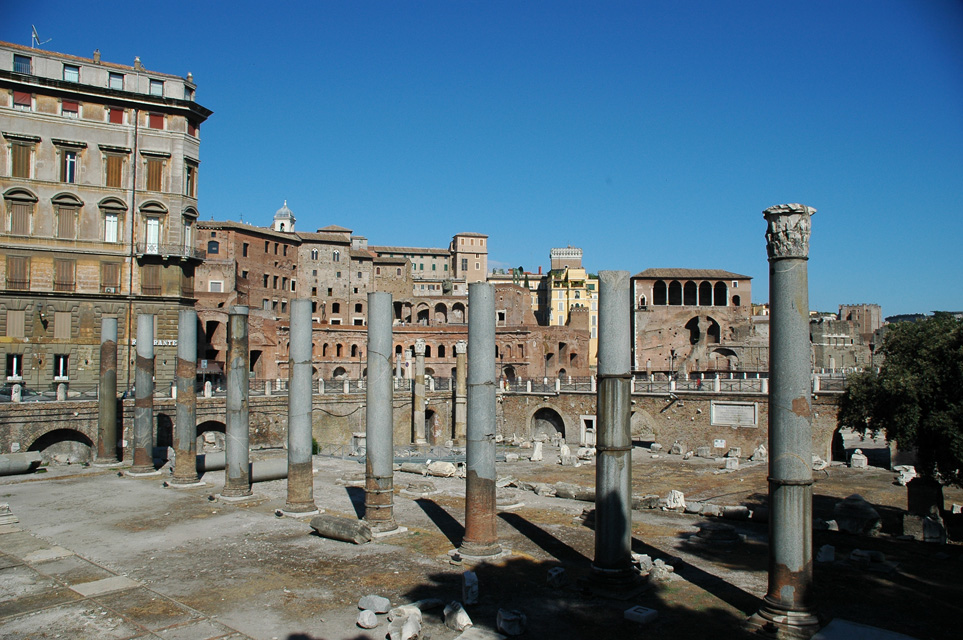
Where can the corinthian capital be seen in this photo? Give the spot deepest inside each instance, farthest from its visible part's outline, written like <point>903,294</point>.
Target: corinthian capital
<point>787,235</point>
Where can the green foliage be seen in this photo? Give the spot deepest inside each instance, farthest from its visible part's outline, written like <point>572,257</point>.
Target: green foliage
<point>315,447</point>
<point>917,397</point>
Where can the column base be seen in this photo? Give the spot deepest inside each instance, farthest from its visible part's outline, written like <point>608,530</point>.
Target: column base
<point>142,471</point>
<point>782,624</point>
<point>382,526</point>
<point>479,550</point>
<point>618,584</point>
<point>107,463</point>
<point>223,497</point>
<point>191,481</point>
<point>229,493</point>
<point>298,509</point>
<point>175,484</point>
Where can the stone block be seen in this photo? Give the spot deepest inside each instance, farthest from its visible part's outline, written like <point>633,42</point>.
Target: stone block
<point>512,622</point>
<point>557,577</point>
<point>367,619</point>
<point>675,500</point>
<point>858,460</point>
<point>732,464</point>
<point>676,449</point>
<point>469,587</point>
<point>826,553</point>
<point>640,614</point>
<point>377,604</point>
<point>655,447</point>
<point>568,461</point>
<point>511,457</point>
<point>704,452</point>
<point>456,618</point>
<point>734,452</point>
<point>537,454</point>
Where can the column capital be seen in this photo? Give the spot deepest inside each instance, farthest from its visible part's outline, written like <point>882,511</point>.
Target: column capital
<point>787,235</point>
<point>461,347</point>
<point>420,347</point>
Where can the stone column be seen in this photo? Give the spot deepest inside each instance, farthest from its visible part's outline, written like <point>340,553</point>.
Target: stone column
<point>461,390</point>
<point>300,422</point>
<point>418,406</point>
<point>185,430</point>
<point>788,607</point>
<point>481,537</point>
<point>612,567</point>
<point>399,370</point>
<point>107,393</point>
<point>144,397</point>
<point>237,475</point>
<point>379,422</point>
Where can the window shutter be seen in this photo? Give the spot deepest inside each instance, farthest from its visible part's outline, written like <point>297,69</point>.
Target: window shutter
<point>116,115</point>
<point>114,166</point>
<point>21,98</point>
<point>21,160</point>
<point>62,325</point>
<point>110,277</point>
<point>20,219</point>
<point>18,272</point>
<point>150,280</point>
<point>154,169</point>
<point>156,121</point>
<point>66,223</point>
<point>71,106</point>
<point>64,275</point>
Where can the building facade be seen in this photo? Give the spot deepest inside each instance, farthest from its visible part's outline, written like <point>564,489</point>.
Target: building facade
<point>99,175</point>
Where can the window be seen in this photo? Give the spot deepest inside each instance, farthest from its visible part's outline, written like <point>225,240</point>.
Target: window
<point>152,234</point>
<point>275,283</point>
<point>188,232</point>
<point>155,172</point>
<point>190,181</point>
<point>115,81</point>
<point>68,166</point>
<point>359,275</point>
<point>329,292</point>
<point>61,362</point>
<point>213,247</point>
<point>284,250</point>
<point>357,308</point>
<point>192,128</point>
<point>14,366</point>
<point>421,266</point>
<point>314,256</point>
<point>15,323</point>
<point>356,289</point>
<point>62,325</point>
<point>464,264</point>
<point>244,248</point>
<point>115,170</point>
<point>115,115</point>
<point>335,307</point>
<point>216,286</point>
<point>446,266</point>
<point>275,250</point>
<point>22,100</point>
<point>110,227</point>
<point>157,87</point>
<point>188,93</point>
<point>70,108</point>
<point>337,274</point>
<point>71,73</point>
<point>398,271</point>
<point>110,277</point>
<point>67,222</point>
<point>265,281</point>
<point>266,244</point>
<point>265,304</point>
<point>64,275</point>
<point>155,120</point>
<point>477,266</point>
<point>20,159</point>
<point>336,256</point>
<point>293,284</point>
<point>21,64</point>
<point>150,280</point>
<point>21,214</point>
<point>284,283</point>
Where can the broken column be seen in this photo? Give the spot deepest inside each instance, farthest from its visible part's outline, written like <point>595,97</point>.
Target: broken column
<point>788,606</point>
<point>185,429</point>
<point>461,390</point>
<point>144,397</point>
<point>612,566</point>
<point>237,476</point>
<point>300,467</point>
<point>481,537</point>
<point>379,422</point>
<point>418,405</point>
<point>107,393</point>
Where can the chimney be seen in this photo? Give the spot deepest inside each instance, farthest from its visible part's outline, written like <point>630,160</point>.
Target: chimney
<point>137,64</point>
<point>97,56</point>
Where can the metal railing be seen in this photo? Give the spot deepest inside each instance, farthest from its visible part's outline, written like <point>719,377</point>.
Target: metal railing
<point>179,250</point>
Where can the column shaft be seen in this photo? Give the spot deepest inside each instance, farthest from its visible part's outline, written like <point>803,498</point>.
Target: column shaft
<point>461,390</point>
<point>107,393</point>
<point>300,420</point>
<point>481,536</point>
<point>185,430</point>
<point>237,476</point>
<point>144,396</point>
<point>379,422</point>
<point>418,405</point>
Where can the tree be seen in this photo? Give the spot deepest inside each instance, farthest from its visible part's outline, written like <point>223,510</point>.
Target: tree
<point>916,399</point>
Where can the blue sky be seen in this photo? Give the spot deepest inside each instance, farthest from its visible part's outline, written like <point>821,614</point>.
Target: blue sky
<point>650,134</point>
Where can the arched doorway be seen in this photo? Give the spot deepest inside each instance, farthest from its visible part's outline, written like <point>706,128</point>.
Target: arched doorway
<point>210,436</point>
<point>339,373</point>
<point>63,445</point>
<point>509,373</point>
<point>546,423</point>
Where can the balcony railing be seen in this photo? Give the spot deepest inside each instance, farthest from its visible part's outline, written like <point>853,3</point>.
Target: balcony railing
<point>20,284</point>
<point>155,249</point>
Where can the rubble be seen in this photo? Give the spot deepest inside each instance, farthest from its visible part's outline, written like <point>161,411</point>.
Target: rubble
<point>469,587</point>
<point>855,515</point>
<point>377,604</point>
<point>640,614</point>
<point>512,622</point>
<point>557,577</point>
<point>859,460</point>
<point>367,619</point>
<point>343,529</point>
<point>906,473</point>
<point>456,618</point>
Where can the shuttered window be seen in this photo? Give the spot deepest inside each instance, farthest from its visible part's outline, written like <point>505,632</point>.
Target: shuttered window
<point>64,275</point>
<point>70,108</point>
<point>115,166</point>
<point>67,223</point>
<point>62,325</point>
<point>155,170</point>
<point>150,282</point>
<point>18,272</point>
<point>20,218</point>
<point>110,277</point>
<point>155,120</point>
<point>22,100</point>
<point>15,319</point>
<point>21,160</point>
<point>115,115</point>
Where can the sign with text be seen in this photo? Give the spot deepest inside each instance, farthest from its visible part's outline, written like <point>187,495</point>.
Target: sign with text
<point>734,414</point>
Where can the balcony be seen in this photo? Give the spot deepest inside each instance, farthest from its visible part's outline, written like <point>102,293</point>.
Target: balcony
<point>169,251</point>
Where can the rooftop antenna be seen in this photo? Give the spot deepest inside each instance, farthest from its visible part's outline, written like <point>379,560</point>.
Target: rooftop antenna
<point>35,38</point>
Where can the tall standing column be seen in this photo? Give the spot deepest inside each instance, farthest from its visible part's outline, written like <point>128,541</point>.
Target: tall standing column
<point>379,422</point>
<point>300,422</point>
<point>461,390</point>
<point>144,397</point>
<point>237,477</point>
<point>481,536</point>
<point>185,430</point>
<point>612,567</point>
<point>788,607</point>
<point>107,393</point>
<point>418,406</point>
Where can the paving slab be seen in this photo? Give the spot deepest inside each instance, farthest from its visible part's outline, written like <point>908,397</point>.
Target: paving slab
<point>82,619</point>
<point>201,630</point>
<point>35,602</point>
<point>20,581</point>
<point>840,629</point>
<point>21,543</point>
<point>105,585</point>
<point>148,609</point>
<point>8,561</point>
<point>48,553</point>
<point>73,570</point>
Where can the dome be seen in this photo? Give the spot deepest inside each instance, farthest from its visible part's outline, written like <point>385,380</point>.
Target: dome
<point>284,219</point>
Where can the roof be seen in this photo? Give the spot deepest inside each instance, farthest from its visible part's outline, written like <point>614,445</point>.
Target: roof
<point>471,234</point>
<point>34,51</point>
<point>408,250</point>
<point>690,274</point>
<point>334,228</point>
<point>243,227</point>
<point>333,238</point>
<point>391,260</point>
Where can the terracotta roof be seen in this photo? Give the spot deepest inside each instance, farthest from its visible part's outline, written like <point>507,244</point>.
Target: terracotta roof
<point>471,234</point>
<point>334,228</point>
<point>334,238</point>
<point>690,274</point>
<point>391,260</point>
<point>408,250</point>
<point>243,227</point>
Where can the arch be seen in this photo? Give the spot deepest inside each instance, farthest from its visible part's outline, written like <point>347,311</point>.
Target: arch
<point>210,436</point>
<point>427,350</point>
<point>153,207</point>
<point>675,293</point>
<point>705,294</point>
<point>692,326</point>
<point>111,203</point>
<point>429,372</point>
<point>546,422</point>
<point>337,350</point>
<point>457,313</point>
<point>399,349</point>
<point>423,315</point>
<point>20,194</point>
<point>213,246</point>
<point>509,373</point>
<point>65,199</point>
<point>68,445</point>
<point>190,212</point>
<point>562,373</point>
<point>339,373</point>
<point>714,332</point>
<point>720,295</point>
<point>441,351</point>
<point>441,313</point>
<point>660,295</point>
<point>642,301</point>
<point>736,301</point>
<point>724,359</point>
<point>354,351</point>
<point>690,294</point>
